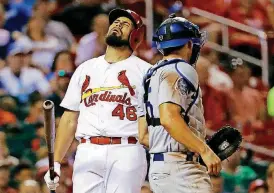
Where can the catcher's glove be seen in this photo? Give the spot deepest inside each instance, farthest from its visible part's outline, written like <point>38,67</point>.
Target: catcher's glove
<point>224,142</point>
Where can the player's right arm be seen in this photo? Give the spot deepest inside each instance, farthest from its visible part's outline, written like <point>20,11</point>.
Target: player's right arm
<point>173,92</point>
<point>64,137</point>
<point>67,125</point>
<point>65,134</point>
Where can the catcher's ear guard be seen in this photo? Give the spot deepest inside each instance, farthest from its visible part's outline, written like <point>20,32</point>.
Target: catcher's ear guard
<point>197,45</point>
<point>225,142</point>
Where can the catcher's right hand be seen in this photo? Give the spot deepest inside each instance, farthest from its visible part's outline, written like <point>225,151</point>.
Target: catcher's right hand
<point>53,184</point>
<point>212,161</point>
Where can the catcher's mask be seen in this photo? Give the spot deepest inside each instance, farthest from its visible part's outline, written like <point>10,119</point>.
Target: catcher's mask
<point>176,32</point>
<point>136,35</point>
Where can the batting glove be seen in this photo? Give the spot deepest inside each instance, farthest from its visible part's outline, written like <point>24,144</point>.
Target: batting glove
<point>53,184</point>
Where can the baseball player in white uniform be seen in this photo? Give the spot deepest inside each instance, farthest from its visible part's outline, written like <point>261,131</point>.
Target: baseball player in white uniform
<point>174,114</point>
<point>101,103</point>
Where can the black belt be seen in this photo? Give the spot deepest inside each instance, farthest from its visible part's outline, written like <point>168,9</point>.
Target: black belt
<point>156,121</point>
<point>153,121</point>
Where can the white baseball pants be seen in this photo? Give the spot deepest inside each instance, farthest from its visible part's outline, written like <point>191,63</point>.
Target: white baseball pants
<point>117,168</point>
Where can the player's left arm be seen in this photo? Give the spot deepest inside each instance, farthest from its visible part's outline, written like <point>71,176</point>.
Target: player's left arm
<point>143,131</point>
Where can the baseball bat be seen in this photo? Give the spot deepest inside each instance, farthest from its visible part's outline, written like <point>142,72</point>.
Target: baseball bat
<point>49,123</point>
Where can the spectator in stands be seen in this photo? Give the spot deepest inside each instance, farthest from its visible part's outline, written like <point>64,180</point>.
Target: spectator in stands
<point>135,5</point>
<point>7,108</point>
<point>256,81</point>
<point>61,5</point>
<point>270,178</point>
<point>63,68</point>
<point>21,81</point>
<point>161,10</point>
<point>36,108</point>
<point>218,7</point>
<point>245,105</point>
<point>42,157</point>
<point>93,44</point>
<point>217,183</point>
<point>63,60</point>
<point>28,3</point>
<point>17,15</point>
<point>221,80</point>
<point>245,11</point>
<point>213,100</point>
<point>177,8</point>
<point>57,29</point>
<point>5,36</point>
<point>44,47</point>
<point>29,186</point>
<point>257,186</point>
<point>217,79</point>
<point>2,65</point>
<point>236,177</point>
<point>270,12</point>
<point>4,180</point>
<point>21,173</point>
<point>39,141</point>
<point>77,16</point>
<point>254,13</point>
<point>2,91</point>
<point>5,157</point>
<point>27,59</point>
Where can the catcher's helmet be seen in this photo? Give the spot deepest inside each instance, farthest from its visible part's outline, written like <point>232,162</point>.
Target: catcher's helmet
<point>177,31</point>
<point>136,36</point>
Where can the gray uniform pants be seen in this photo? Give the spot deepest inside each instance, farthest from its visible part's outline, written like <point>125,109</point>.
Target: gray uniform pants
<point>178,177</point>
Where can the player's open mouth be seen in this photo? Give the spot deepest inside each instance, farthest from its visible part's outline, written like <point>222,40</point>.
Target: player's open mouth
<point>116,31</point>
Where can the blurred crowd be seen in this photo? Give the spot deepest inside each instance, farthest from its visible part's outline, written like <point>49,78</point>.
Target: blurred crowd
<point>43,41</point>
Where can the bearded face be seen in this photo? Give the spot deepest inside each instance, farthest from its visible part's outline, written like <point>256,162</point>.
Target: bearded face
<point>119,31</point>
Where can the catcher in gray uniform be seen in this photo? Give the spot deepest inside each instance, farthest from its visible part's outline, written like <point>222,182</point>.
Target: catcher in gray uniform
<point>171,123</point>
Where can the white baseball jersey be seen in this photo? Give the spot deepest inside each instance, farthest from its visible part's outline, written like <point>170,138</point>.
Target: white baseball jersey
<point>106,96</point>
